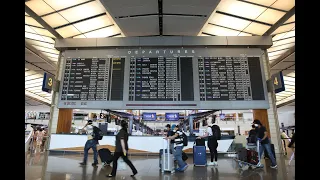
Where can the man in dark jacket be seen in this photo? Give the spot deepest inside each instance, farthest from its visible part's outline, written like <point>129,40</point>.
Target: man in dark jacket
<point>170,133</point>
<point>265,142</point>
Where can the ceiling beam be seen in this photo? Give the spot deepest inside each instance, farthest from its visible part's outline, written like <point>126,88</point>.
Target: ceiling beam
<point>42,22</point>
<point>286,103</point>
<point>283,57</point>
<point>35,99</point>
<point>37,53</point>
<point>280,22</point>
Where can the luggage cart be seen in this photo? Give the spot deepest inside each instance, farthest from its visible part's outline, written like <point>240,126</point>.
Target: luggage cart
<point>253,147</point>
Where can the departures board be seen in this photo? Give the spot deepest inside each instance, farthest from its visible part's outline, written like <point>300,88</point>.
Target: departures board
<point>163,78</point>
<point>93,79</point>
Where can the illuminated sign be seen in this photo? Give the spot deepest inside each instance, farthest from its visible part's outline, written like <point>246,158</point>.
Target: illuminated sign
<point>277,81</point>
<point>47,83</point>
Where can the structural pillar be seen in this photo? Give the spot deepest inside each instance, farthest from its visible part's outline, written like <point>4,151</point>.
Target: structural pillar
<point>191,125</point>
<point>262,115</point>
<point>130,124</point>
<point>271,119</point>
<point>64,121</point>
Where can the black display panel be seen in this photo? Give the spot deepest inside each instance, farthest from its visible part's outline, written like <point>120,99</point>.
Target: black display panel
<point>117,79</point>
<point>230,79</point>
<point>93,79</point>
<point>161,79</point>
<point>256,78</point>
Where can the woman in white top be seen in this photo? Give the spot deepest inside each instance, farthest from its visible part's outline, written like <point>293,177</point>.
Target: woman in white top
<point>212,145</point>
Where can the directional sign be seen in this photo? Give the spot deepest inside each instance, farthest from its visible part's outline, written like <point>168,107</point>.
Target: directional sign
<point>47,83</point>
<point>277,81</point>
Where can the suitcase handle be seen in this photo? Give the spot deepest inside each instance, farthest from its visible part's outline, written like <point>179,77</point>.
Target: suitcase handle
<point>164,150</point>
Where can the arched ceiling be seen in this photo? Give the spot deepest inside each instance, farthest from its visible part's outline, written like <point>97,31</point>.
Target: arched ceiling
<point>47,20</point>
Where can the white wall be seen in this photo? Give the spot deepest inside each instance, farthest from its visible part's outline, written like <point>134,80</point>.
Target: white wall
<point>286,115</point>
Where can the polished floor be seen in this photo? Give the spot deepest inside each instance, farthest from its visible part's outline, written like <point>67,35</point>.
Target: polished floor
<point>40,166</point>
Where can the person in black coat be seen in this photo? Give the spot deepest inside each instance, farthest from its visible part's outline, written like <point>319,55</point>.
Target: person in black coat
<point>122,150</point>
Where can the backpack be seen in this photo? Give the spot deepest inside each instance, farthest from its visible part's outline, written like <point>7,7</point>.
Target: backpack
<point>184,139</point>
<point>252,137</point>
<point>97,133</point>
<point>216,132</point>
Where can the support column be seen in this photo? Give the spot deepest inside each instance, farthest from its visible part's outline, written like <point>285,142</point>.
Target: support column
<point>272,114</point>
<point>191,125</point>
<point>64,121</point>
<point>130,124</point>
<point>262,115</point>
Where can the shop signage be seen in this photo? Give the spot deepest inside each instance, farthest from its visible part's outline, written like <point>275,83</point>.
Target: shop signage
<point>149,116</point>
<point>172,116</point>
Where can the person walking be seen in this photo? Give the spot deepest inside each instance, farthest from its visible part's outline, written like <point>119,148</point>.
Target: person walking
<point>90,144</point>
<point>122,150</point>
<point>265,142</point>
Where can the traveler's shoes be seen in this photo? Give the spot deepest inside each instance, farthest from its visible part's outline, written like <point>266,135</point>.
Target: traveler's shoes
<point>178,169</point>
<point>83,164</point>
<point>105,164</point>
<point>215,163</point>
<point>184,168</point>
<point>274,167</point>
<point>259,165</point>
<point>210,163</point>
<point>94,164</point>
<point>134,174</point>
<point>110,175</point>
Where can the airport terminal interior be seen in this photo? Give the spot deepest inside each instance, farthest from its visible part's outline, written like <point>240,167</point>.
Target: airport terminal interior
<point>156,66</point>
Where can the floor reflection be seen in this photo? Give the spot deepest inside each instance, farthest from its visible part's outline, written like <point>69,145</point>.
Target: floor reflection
<point>53,167</point>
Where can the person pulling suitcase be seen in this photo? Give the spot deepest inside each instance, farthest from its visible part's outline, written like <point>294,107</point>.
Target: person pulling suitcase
<point>122,150</point>
<point>94,135</point>
<point>178,139</point>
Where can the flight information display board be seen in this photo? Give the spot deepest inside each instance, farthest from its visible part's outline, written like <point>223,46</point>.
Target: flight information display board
<point>93,79</point>
<point>161,79</point>
<point>230,79</point>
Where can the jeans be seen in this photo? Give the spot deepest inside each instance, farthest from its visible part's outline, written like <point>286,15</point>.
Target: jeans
<point>116,156</point>
<point>91,144</point>
<point>178,156</point>
<point>268,148</point>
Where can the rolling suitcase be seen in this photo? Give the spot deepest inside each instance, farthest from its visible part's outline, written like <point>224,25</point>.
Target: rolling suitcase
<point>266,155</point>
<point>160,156</point>
<point>200,142</point>
<point>242,154</point>
<point>167,163</point>
<point>199,156</point>
<point>252,157</point>
<point>105,156</point>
